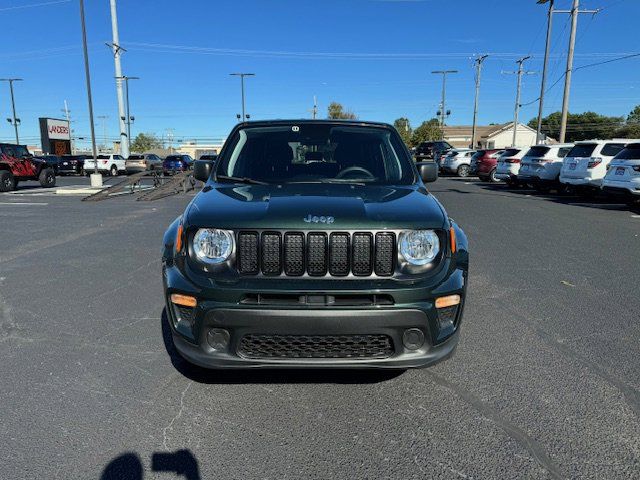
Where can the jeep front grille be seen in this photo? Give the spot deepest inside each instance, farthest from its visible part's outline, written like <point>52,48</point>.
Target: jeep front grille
<point>315,346</point>
<point>316,254</point>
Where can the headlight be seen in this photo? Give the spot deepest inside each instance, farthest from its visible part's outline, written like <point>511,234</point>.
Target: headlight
<point>212,245</point>
<point>419,247</point>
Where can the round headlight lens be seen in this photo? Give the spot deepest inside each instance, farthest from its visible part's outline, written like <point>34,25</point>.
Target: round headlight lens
<point>419,247</point>
<point>212,245</point>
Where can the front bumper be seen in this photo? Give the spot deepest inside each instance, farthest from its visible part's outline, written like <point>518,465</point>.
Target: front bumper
<point>413,308</point>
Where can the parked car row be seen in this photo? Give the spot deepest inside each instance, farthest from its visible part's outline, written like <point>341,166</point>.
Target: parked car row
<point>114,164</point>
<point>586,167</point>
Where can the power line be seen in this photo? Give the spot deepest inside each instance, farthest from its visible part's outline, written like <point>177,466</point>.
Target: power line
<point>596,64</point>
<point>42,4</point>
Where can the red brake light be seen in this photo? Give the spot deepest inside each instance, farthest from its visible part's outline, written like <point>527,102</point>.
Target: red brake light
<point>512,160</point>
<point>594,162</point>
<point>636,168</point>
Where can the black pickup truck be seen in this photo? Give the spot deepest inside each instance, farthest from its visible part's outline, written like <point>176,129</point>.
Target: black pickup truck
<point>314,244</point>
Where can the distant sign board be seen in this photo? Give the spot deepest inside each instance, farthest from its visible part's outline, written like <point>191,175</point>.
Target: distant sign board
<point>55,135</point>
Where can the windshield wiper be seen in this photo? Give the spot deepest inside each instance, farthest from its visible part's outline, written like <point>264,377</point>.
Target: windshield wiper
<point>346,181</point>
<point>241,179</point>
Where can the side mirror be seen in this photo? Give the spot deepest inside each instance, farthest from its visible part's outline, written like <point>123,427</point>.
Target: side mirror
<point>202,169</point>
<point>428,171</point>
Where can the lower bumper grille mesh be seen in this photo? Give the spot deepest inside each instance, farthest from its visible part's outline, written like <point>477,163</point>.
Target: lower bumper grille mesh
<point>315,346</point>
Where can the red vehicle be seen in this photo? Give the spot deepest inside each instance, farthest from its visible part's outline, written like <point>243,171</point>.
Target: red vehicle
<point>484,163</point>
<point>17,164</point>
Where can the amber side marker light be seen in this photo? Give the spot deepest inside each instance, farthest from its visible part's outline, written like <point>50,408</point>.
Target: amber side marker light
<point>183,300</point>
<point>452,235</point>
<point>448,301</point>
<point>179,239</point>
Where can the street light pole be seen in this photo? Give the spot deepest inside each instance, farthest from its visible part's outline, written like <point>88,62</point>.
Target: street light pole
<point>128,119</point>
<point>16,120</point>
<point>96,178</point>
<point>242,75</point>
<point>443,110</point>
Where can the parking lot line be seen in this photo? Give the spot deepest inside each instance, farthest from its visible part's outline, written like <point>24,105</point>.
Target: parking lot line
<point>23,203</point>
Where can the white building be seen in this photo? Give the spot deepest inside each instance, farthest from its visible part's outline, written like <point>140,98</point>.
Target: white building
<point>492,136</point>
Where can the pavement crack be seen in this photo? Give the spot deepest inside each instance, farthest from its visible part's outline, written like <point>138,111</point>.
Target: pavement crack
<point>177,415</point>
<point>520,436</point>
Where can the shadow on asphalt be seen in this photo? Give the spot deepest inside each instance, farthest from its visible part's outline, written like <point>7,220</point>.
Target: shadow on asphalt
<point>261,376</point>
<point>128,466</point>
<point>600,202</point>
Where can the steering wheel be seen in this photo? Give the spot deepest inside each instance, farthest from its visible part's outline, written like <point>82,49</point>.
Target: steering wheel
<point>347,171</point>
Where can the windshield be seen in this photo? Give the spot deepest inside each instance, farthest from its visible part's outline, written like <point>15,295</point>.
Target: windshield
<point>510,152</point>
<point>317,153</point>
<point>632,152</point>
<point>582,150</point>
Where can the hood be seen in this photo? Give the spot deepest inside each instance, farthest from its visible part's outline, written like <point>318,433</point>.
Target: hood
<point>287,207</point>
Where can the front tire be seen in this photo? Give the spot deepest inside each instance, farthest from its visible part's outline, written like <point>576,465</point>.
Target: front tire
<point>47,178</point>
<point>7,181</point>
<point>113,171</point>
<point>463,171</point>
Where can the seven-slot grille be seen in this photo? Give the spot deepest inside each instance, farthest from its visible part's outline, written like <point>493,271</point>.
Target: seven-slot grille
<point>316,254</point>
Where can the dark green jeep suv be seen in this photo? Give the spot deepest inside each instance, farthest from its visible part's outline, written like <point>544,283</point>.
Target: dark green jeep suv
<point>314,244</point>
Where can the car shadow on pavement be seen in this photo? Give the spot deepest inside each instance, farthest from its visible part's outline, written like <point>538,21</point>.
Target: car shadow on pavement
<point>598,201</point>
<point>128,466</point>
<point>262,376</point>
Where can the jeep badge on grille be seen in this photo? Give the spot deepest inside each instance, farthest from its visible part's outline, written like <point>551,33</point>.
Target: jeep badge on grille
<point>318,219</point>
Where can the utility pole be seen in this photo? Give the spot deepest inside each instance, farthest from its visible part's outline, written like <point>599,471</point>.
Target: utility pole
<point>242,75</point>
<point>314,110</point>
<point>519,73</point>
<point>96,178</point>
<point>574,12</point>
<point>443,110</point>
<point>117,52</point>
<point>16,121</point>
<point>478,63</point>
<point>128,118</point>
<point>543,83</point>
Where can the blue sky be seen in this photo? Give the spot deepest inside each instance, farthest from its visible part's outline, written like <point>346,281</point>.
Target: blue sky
<point>375,57</point>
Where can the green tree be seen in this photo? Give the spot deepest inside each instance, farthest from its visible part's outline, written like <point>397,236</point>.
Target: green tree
<point>580,126</point>
<point>336,110</point>
<point>634,116</point>
<point>403,126</point>
<point>631,128</point>
<point>144,142</point>
<point>428,131</point>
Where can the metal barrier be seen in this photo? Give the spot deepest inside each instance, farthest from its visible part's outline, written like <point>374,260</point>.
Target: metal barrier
<point>149,185</point>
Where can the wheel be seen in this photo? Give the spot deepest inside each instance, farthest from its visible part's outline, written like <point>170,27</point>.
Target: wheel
<point>47,178</point>
<point>463,170</point>
<point>113,171</point>
<point>492,176</point>
<point>7,181</point>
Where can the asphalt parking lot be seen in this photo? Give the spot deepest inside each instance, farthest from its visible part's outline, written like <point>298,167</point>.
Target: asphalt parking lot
<point>545,382</point>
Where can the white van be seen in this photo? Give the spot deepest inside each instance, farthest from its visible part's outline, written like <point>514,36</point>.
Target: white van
<point>586,164</point>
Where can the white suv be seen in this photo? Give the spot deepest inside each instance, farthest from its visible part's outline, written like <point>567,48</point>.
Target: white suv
<point>586,163</point>
<point>509,164</point>
<point>542,164</point>
<point>111,164</point>
<point>623,174</point>
<point>458,161</point>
